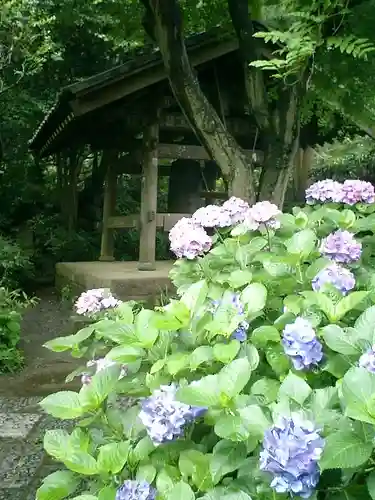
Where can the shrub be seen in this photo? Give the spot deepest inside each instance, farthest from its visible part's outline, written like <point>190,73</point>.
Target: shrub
<point>257,382</point>
<point>15,265</point>
<point>11,305</point>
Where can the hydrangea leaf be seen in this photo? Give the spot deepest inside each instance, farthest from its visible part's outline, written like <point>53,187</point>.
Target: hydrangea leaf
<point>265,334</point>
<point>145,330</point>
<point>239,278</point>
<point>345,450</point>
<point>302,243</point>
<point>200,355</point>
<point>107,493</point>
<point>57,486</point>
<point>120,332</point>
<point>254,296</point>
<point>64,404</point>
<point>349,303</point>
<point>295,388</point>
<point>227,457</point>
<point>339,340</point>
<point>181,491</point>
<point>146,472</point>
<point>86,497</point>
<point>358,388</point>
<point>195,296</point>
<point>195,464</point>
<point>267,389</point>
<point>371,484</point>
<point>92,395</point>
<point>61,344</point>
<point>226,352</point>
<point>365,325</point>
<point>113,456</point>
<point>125,354</point>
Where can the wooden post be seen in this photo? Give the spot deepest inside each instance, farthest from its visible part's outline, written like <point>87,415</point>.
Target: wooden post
<point>109,205</point>
<point>149,196</point>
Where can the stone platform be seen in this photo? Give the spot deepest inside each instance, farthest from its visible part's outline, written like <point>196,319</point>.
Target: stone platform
<point>123,278</point>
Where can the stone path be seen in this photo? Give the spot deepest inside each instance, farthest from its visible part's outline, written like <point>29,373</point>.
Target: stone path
<point>23,462</point>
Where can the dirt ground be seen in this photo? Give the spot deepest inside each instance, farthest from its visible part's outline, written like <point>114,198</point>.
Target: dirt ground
<point>44,371</point>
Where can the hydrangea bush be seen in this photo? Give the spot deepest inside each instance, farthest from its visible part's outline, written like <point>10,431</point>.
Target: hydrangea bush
<point>256,382</point>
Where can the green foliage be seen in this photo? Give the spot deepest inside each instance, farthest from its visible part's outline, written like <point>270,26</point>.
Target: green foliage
<point>11,306</point>
<point>245,386</point>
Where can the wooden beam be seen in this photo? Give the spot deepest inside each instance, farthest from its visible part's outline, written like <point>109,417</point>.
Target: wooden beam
<point>109,205</point>
<point>144,77</point>
<point>163,221</point>
<point>149,196</point>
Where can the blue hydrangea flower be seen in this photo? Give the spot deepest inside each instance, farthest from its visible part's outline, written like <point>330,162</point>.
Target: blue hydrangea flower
<point>136,490</point>
<point>337,276</point>
<point>301,344</point>
<point>164,417</point>
<point>240,333</point>
<point>367,360</point>
<point>291,450</point>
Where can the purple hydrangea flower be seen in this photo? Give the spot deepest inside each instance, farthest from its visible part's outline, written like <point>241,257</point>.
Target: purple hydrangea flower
<point>367,360</point>
<point>337,276</point>
<point>291,451</point>
<point>341,246</point>
<point>357,191</point>
<point>324,191</point>
<point>136,490</point>
<point>212,216</point>
<point>237,209</point>
<point>164,417</point>
<point>264,214</point>
<point>94,301</point>
<point>189,239</point>
<point>301,344</point>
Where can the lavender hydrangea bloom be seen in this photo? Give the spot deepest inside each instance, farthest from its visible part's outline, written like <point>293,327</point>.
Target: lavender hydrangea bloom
<point>237,209</point>
<point>136,490</point>
<point>357,191</point>
<point>94,301</point>
<point>212,216</point>
<point>291,451</point>
<point>263,214</point>
<point>189,239</point>
<point>301,344</point>
<point>164,417</point>
<point>324,191</point>
<point>367,360</point>
<point>341,246</point>
<point>337,276</point>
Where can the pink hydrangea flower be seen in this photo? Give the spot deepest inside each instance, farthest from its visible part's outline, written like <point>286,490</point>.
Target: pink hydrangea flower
<point>189,239</point>
<point>94,301</point>
<point>237,209</point>
<point>263,214</point>
<point>357,191</point>
<point>212,216</point>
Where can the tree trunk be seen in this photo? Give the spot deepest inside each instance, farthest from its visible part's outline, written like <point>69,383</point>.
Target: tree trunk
<point>277,117</point>
<point>165,17</point>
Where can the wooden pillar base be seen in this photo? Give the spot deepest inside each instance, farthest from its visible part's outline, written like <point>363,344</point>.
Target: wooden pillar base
<point>106,258</point>
<point>146,266</point>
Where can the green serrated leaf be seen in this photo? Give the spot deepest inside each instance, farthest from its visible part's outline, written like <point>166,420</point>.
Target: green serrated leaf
<point>65,405</point>
<point>226,352</point>
<point>295,388</point>
<point>112,457</point>
<point>344,450</point>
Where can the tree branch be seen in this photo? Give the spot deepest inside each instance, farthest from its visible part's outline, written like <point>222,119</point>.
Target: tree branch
<point>202,117</point>
<point>254,78</point>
